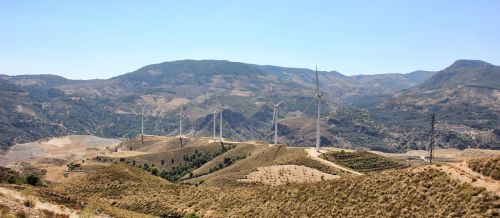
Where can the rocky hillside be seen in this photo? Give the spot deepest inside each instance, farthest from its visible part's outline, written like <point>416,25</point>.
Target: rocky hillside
<point>44,105</point>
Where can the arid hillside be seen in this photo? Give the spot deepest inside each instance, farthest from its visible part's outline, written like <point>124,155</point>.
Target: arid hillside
<point>393,193</point>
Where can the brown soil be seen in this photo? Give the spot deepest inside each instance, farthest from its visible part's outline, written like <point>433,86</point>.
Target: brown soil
<point>285,174</point>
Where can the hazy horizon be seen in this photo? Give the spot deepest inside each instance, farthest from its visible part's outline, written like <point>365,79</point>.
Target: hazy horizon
<point>94,39</point>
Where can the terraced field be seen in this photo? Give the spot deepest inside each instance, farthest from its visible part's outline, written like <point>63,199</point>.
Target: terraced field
<point>362,161</point>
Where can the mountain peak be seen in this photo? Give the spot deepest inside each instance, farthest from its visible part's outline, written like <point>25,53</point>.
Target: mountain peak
<point>463,63</point>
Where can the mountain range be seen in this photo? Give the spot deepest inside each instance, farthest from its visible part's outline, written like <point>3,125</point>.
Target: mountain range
<point>381,112</point>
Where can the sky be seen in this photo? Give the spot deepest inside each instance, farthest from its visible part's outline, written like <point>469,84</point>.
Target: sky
<point>101,39</point>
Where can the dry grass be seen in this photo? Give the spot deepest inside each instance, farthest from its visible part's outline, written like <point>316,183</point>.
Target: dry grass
<point>261,157</point>
<point>488,166</point>
<point>395,193</point>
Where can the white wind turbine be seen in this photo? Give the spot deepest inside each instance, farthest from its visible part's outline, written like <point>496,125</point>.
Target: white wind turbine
<point>181,115</point>
<point>215,115</point>
<point>142,120</point>
<point>275,121</point>
<point>220,126</point>
<point>318,118</point>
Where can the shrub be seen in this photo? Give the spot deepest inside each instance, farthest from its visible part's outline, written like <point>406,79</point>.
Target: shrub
<point>12,180</point>
<point>33,180</point>
<point>154,171</point>
<point>29,203</point>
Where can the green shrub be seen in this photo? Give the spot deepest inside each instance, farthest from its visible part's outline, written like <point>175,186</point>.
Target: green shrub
<point>154,171</point>
<point>12,180</point>
<point>33,180</point>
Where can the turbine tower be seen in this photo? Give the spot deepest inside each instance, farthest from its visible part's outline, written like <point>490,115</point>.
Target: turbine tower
<point>275,121</point>
<point>181,114</point>
<point>215,116</point>
<point>318,118</point>
<point>220,126</point>
<point>142,121</point>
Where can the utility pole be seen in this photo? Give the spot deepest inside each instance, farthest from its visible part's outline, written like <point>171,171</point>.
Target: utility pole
<point>431,146</point>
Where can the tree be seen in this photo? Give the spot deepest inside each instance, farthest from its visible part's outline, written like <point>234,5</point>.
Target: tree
<point>12,180</point>
<point>33,180</point>
<point>145,167</point>
<point>154,171</point>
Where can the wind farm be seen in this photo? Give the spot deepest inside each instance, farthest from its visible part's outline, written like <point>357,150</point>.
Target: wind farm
<point>249,109</point>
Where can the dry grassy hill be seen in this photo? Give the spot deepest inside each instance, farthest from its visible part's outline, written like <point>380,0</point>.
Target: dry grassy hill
<point>421,193</point>
<point>263,157</point>
<point>488,167</point>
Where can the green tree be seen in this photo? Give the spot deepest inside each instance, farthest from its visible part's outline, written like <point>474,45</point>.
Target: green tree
<point>154,171</point>
<point>33,180</point>
<point>12,180</point>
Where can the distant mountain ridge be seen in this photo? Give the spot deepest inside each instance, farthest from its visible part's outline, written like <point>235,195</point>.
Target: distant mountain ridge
<point>110,107</point>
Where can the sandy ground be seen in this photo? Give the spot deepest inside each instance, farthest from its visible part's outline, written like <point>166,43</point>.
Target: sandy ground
<point>283,174</point>
<point>73,148</point>
<point>312,153</point>
<point>66,148</point>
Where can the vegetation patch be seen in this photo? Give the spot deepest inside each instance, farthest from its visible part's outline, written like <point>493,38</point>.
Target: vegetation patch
<point>192,162</point>
<point>362,160</point>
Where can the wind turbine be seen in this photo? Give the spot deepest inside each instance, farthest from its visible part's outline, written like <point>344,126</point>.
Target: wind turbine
<point>142,123</point>
<point>181,115</point>
<point>275,121</point>
<point>142,120</point>
<point>215,115</point>
<point>220,126</point>
<point>318,118</point>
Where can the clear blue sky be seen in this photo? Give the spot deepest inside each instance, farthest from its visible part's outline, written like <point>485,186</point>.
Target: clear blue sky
<point>102,39</point>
